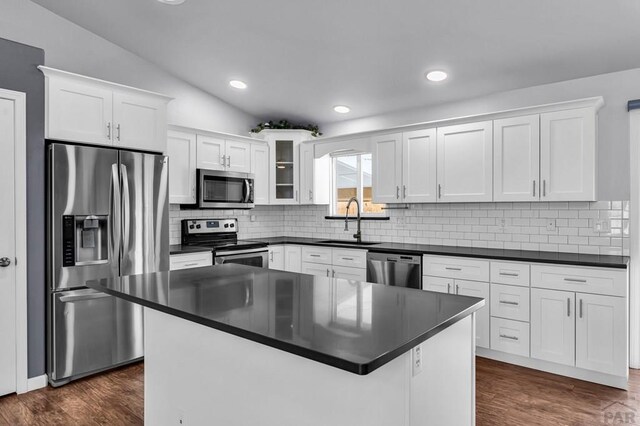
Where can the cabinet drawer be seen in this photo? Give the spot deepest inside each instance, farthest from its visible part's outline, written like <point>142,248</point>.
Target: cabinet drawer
<point>316,255</point>
<point>612,282</point>
<point>456,267</point>
<point>190,260</point>
<point>354,274</point>
<point>510,302</point>
<point>510,336</point>
<point>510,273</point>
<point>350,258</point>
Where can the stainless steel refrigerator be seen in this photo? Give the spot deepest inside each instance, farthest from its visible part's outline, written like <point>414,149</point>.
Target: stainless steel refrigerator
<point>108,216</point>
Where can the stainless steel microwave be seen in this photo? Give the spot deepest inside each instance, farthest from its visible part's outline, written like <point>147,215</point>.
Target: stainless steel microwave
<point>225,190</point>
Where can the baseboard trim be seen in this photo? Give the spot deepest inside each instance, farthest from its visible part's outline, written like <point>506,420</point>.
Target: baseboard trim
<point>37,382</point>
<point>550,367</point>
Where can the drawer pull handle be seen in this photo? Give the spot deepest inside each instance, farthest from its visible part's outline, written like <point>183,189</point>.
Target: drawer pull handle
<point>190,264</point>
<point>314,255</point>
<point>509,274</point>
<point>347,258</point>
<point>568,306</point>
<point>448,268</point>
<point>580,308</point>
<point>448,287</point>
<point>506,336</point>
<point>508,302</point>
<point>575,280</point>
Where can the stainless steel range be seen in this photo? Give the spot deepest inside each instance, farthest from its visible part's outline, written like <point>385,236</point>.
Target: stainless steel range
<point>222,236</point>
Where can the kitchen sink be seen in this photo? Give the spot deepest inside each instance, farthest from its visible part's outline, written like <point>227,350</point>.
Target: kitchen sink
<point>347,242</point>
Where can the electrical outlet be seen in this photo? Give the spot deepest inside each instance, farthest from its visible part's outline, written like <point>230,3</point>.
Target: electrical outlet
<point>417,360</point>
<point>551,225</point>
<point>180,418</point>
<point>252,218</point>
<point>502,223</point>
<point>601,225</point>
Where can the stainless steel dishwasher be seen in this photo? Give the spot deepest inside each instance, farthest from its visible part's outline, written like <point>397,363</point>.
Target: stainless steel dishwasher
<point>399,270</point>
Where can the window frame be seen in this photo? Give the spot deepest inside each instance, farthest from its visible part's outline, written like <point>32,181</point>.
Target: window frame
<point>359,186</point>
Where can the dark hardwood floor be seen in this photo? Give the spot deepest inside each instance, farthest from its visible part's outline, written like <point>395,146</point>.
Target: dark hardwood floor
<point>506,395</point>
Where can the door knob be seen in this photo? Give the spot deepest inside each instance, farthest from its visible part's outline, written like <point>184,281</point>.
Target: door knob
<point>4,262</point>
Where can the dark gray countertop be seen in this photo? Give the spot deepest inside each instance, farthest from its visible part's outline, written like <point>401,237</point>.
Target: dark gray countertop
<point>180,249</point>
<point>354,326</point>
<point>483,253</point>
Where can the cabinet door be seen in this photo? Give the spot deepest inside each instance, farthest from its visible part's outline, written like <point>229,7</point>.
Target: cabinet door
<point>307,173</point>
<point>419,166</point>
<point>140,122</point>
<point>441,285</point>
<point>276,257</point>
<point>465,162</point>
<point>211,153</point>
<point>260,169</point>
<point>553,326</point>
<point>238,156</point>
<point>601,334</point>
<point>181,148</point>
<point>354,274</point>
<point>387,168</point>
<point>317,269</point>
<point>516,155</point>
<point>79,112</point>
<point>567,155</point>
<point>482,290</point>
<point>284,171</point>
<point>292,258</point>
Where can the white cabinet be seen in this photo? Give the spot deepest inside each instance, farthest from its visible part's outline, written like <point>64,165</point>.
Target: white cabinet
<point>87,110</point>
<point>260,169</point>
<point>601,333</point>
<point>181,149</point>
<point>387,168</point>
<point>516,158</point>
<point>419,166</point>
<point>276,257</point>
<point>190,260</point>
<point>465,160</point>
<point>568,155</point>
<point>510,336</point>
<point>292,258</point>
<point>349,264</point>
<point>552,326</point>
<point>317,269</point>
<point>315,176</point>
<point>347,273</point>
<point>219,154</point>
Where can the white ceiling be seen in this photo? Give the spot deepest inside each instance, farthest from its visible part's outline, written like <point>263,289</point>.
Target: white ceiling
<point>302,57</point>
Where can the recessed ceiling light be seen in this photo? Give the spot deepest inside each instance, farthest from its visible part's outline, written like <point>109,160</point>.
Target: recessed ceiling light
<point>342,109</point>
<point>172,2</point>
<point>436,75</point>
<point>238,84</point>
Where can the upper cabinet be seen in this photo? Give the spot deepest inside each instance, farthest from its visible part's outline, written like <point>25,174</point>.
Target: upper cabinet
<point>516,158</point>
<point>87,110</point>
<point>387,168</point>
<point>568,154</point>
<point>219,154</point>
<point>260,169</point>
<point>314,176</point>
<point>465,162</point>
<point>181,149</point>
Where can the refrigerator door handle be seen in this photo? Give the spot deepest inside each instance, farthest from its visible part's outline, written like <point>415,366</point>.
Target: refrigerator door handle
<point>114,215</point>
<point>126,212</point>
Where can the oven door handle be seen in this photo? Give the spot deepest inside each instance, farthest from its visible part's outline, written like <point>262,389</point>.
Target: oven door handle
<point>235,252</point>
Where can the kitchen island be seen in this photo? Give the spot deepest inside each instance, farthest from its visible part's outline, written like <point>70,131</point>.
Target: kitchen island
<point>238,345</point>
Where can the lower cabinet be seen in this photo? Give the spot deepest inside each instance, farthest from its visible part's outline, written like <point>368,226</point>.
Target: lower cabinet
<point>317,269</point>
<point>347,264</point>
<point>465,288</point>
<point>190,260</point>
<point>292,258</point>
<point>553,326</point>
<point>276,257</point>
<point>347,273</point>
<point>510,336</point>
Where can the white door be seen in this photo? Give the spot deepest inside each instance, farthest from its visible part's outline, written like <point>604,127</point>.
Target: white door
<point>8,137</point>
<point>439,284</point>
<point>140,122</point>
<point>260,169</point>
<point>276,257</point>
<point>238,156</point>
<point>79,112</point>
<point>482,290</point>
<point>553,326</point>
<point>419,166</point>
<point>601,334</point>
<point>307,173</point>
<point>181,148</point>
<point>387,168</point>
<point>344,272</point>
<point>292,258</point>
<point>465,162</point>
<point>567,155</point>
<point>516,159</point>
<point>210,153</point>
<point>317,269</point>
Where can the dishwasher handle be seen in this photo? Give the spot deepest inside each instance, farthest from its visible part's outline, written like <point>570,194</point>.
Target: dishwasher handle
<point>394,258</point>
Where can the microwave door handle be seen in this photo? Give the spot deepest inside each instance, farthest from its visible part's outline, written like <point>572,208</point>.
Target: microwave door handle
<point>247,190</point>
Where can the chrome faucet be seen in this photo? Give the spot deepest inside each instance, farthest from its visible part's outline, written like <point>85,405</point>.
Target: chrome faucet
<point>358,234</point>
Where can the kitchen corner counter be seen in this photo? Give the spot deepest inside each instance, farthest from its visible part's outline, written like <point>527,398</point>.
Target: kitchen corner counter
<point>594,260</point>
<point>354,326</point>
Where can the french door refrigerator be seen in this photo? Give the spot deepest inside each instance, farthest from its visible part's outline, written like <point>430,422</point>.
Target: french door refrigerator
<point>108,216</point>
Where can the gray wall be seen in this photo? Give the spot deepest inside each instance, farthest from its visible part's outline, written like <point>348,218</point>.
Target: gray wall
<point>613,123</point>
<point>18,72</point>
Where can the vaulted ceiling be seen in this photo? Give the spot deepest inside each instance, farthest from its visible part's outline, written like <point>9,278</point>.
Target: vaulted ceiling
<point>302,57</point>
